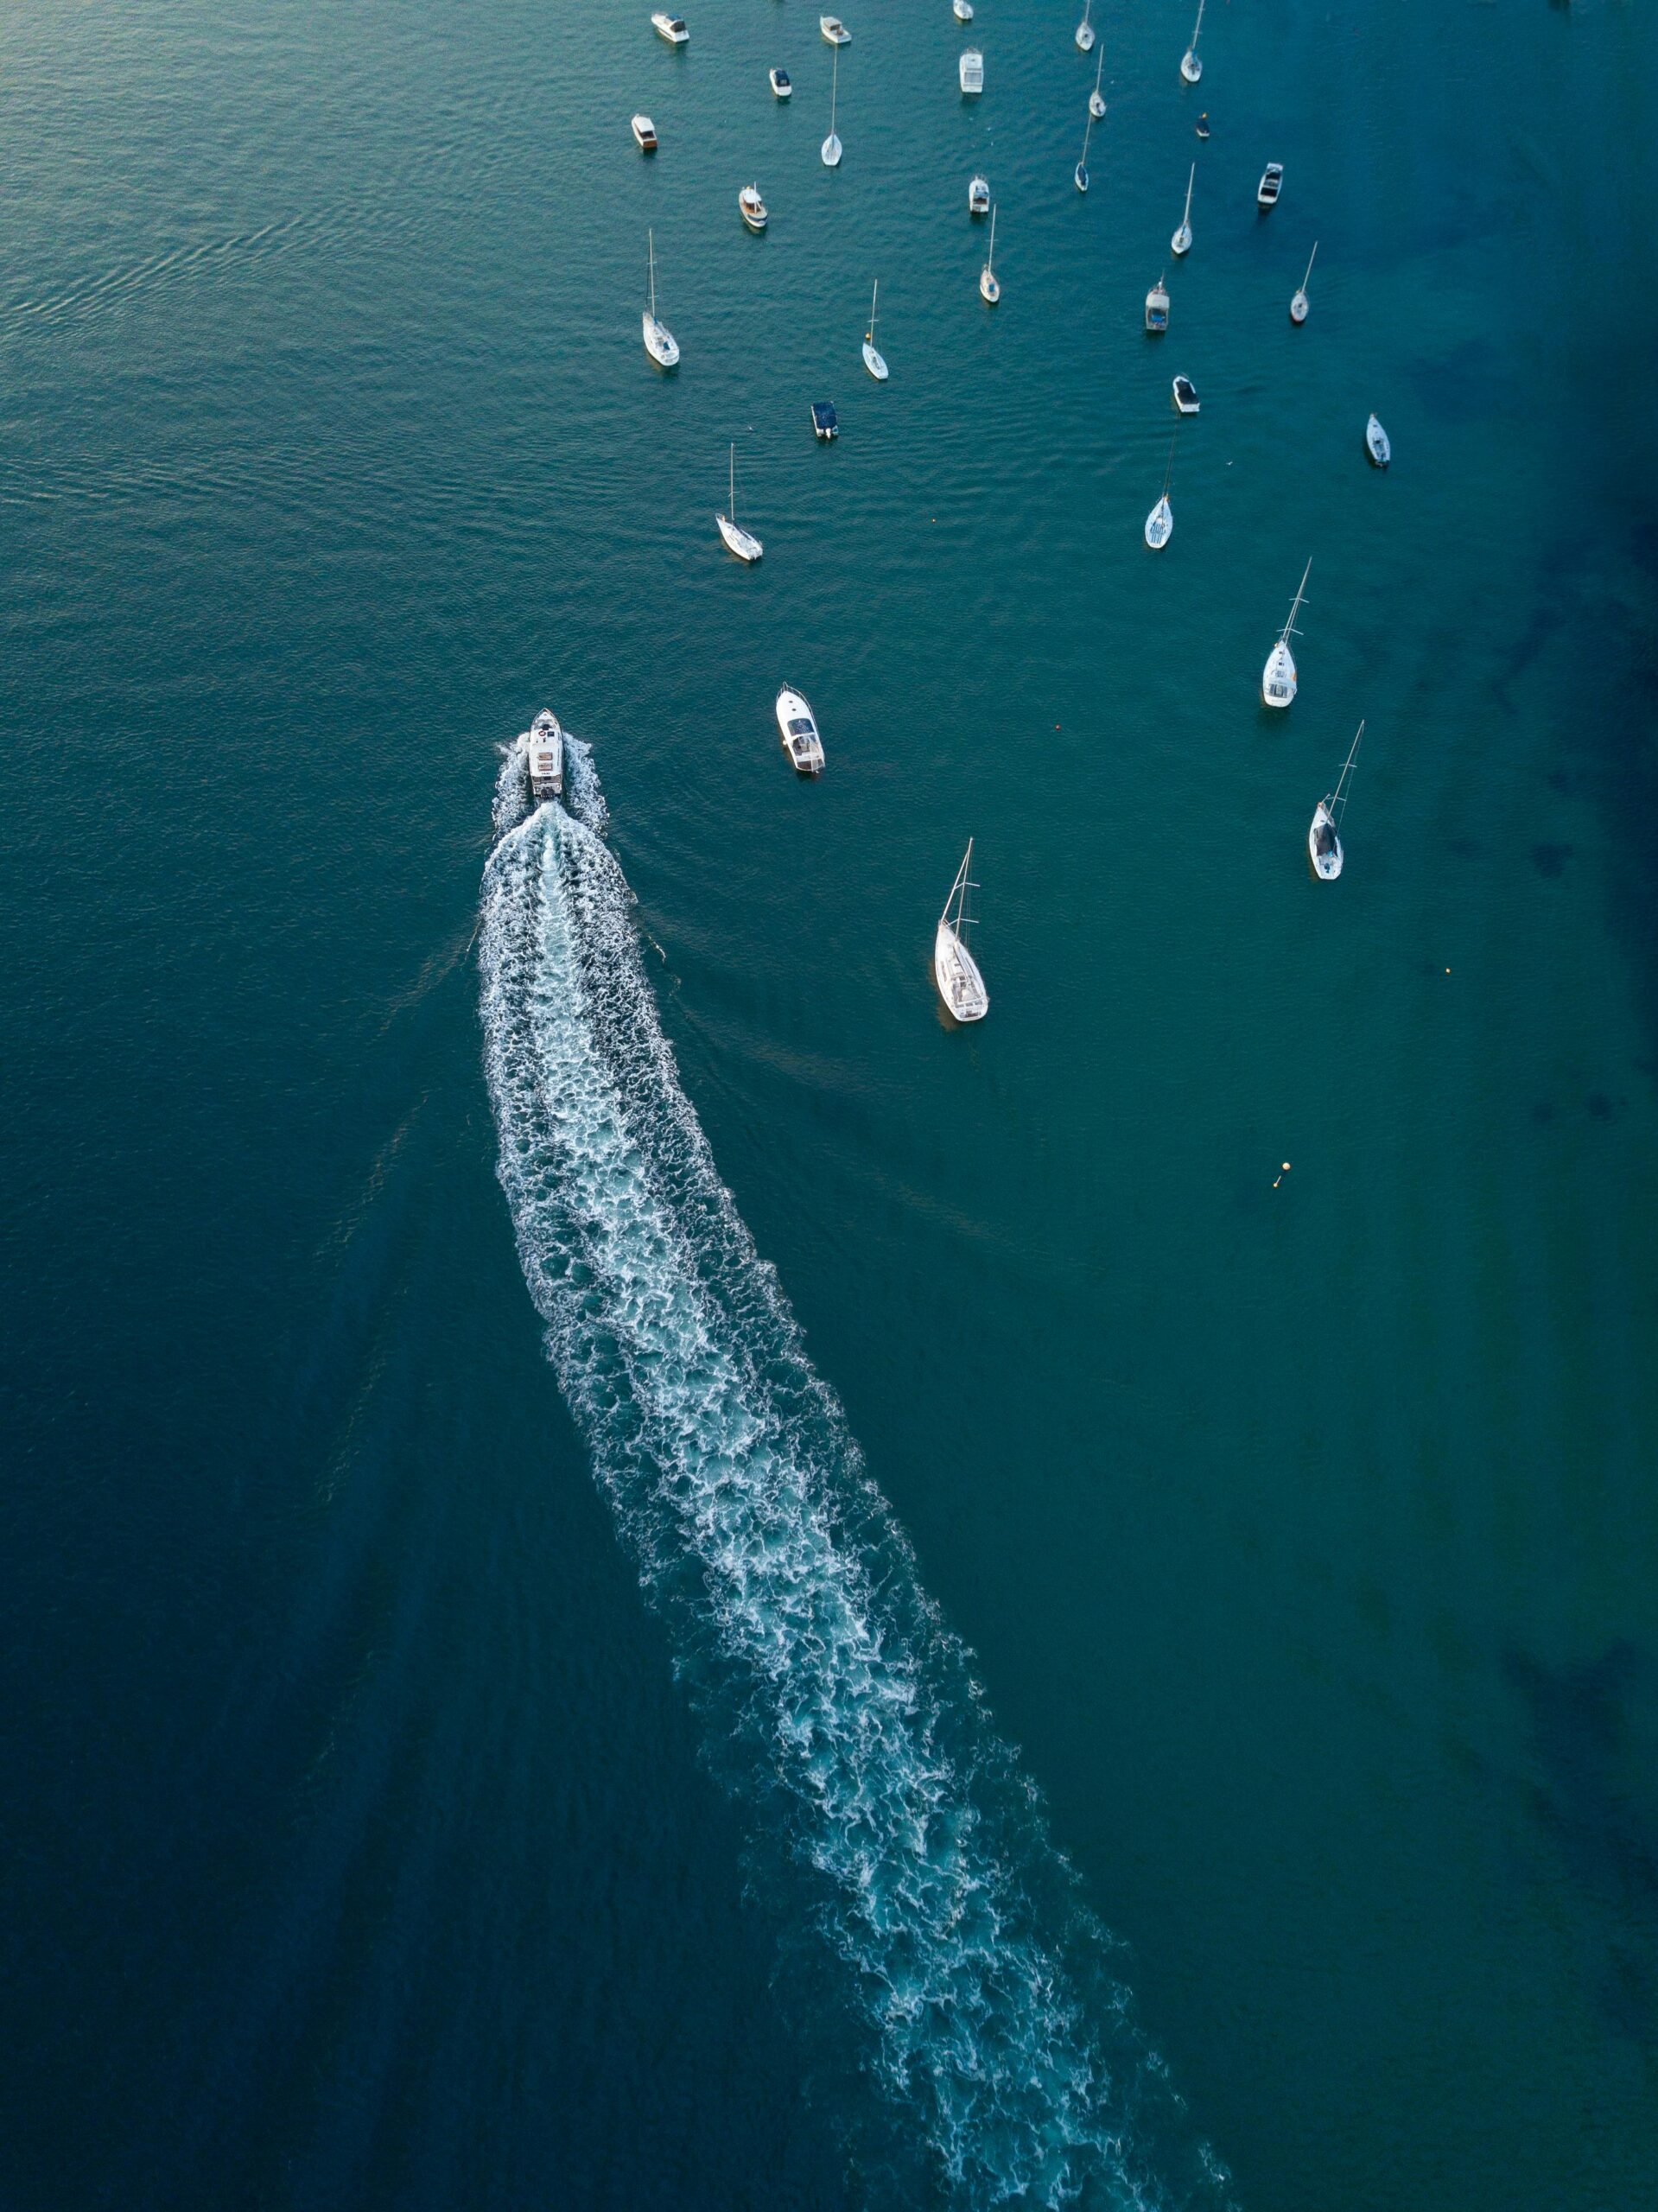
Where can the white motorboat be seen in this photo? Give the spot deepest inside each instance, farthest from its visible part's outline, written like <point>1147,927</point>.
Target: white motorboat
<point>546,757</point>
<point>834,30</point>
<point>1299,301</point>
<point>825,423</point>
<point>673,28</point>
<point>799,729</point>
<point>1085,30</point>
<point>1377,443</point>
<point>872,359</point>
<point>1272,183</point>
<point>1185,396</point>
<point>1079,174</point>
<point>781,87</point>
<point>751,207</point>
<point>831,146</point>
<point>1157,309</point>
<point>961,9</point>
<point>1181,242</point>
<point>954,968</point>
<point>1277,678</point>
<point>989,287</point>
<point>969,71</point>
<point>742,543</point>
<point>1190,67</point>
<point>1160,524</point>
<point>660,341</point>
<point>1324,838</point>
<point>978,196</point>
<point>644,134</point>
<point>1096,98</point>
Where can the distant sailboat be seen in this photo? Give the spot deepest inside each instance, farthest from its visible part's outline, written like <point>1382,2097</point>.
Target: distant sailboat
<point>989,289</point>
<point>832,145</point>
<point>1096,98</point>
<point>1080,172</point>
<point>955,970</point>
<point>1377,443</point>
<point>1181,242</point>
<point>742,543</point>
<point>1085,30</point>
<point>1190,67</point>
<point>660,341</point>
<point>872,359</point>
<point>1323,840</point>
<point>1298,303</point>
<point>1160,524</point>
<point>1277,678</point>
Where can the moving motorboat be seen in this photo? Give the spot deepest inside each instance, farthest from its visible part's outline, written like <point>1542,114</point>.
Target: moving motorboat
<point>831,146</point>
<point>1190,67</point>
<point>954,968</point>
<point>1185,396</point>
<point>1160,524</point>
<point>872,359</point>
<point>751,207</point>
<point>1085,30</point>
<point>742,543</point>
<point>1298,300</point>
<point>834,30</point>
<point>1181,242</point>
<point>546,757</point>
<point>1323,839</point>
<point>1272,183</point>
<point>644,134</point>
<point>660,341</point>
<point>1157,309</point>
<point>1277,678</point>
<point>798,727</point>
<point>1096,98</point>
<point>989,287</point>
<point>673,28</point>
<point>779,81</point>
<point>969,71</point>
<point>1377,443</point>
<point>825,424</point>
<point>978,196</point>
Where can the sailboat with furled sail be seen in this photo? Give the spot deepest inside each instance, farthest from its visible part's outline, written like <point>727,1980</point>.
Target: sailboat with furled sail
<point>1160,524</point>
<point>831,146</point>
<point>1323,840</point>
<point>1080,175</point>
<point>1277,678</point>
<point>660,341</point>
<point>1299,299</point>
<point>1181,242</point>
<point>1190,67</point>
<point>742,543</point>
<point>955,970</point>
<point>871,360</point>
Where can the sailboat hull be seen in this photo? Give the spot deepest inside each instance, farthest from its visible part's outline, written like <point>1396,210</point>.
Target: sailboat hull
<point>957,974</point>
<point>1191,68</point>
<point>1323,846</point>
<point>1277,678</point>
<point>873,363</point>
<point>1159,526</point>
<point>659,343</point>
<point>737,541</point>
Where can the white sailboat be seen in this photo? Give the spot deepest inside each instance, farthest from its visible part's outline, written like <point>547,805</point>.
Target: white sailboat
<point>872,359</point>
<point>989,288</point>
<point>1323,840</point>
<point>1085,30</point>
<point>1299,303</point>
<point>660,341</point>
<point>832,145</point>
<point>1190,67</point>
<point>954,968</point>
<point>1096,98</point>
<point>1160,524</point>
<point>1277,678</point>
<point>961,9</point>
<point>1377,443</point>
<point>1080,173</point>
<point>742,543</point>
<point>1181,242</point>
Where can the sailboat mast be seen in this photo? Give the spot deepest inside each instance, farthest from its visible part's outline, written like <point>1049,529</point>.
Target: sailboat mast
<point>990,259</point>
<point>873,296</point>
<point>1295,604</point>
<point>835,82</point>
<point>1190,180</point>
<point>1340,799</point>
<point>650,248</point>
<point>734,481</point>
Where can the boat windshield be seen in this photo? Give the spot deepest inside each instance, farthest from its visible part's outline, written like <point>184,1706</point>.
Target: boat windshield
<point>799,729</point>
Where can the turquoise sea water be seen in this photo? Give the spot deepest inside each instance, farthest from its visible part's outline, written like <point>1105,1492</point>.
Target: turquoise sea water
<point>370,1839</point>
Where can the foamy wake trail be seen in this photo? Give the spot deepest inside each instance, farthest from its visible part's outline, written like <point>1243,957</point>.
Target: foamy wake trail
<point>841,1711</point>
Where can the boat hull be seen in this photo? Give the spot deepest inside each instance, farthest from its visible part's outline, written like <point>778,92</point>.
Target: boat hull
<point>955,974</point>
<point>754,217</point>
<point>1299,309</point>
<point>1096,107</point>
<point>873,363</point>
<point>989,288</point>
<point>830,150</point>
<point>1190,67</point>
<point>1181,242</point>
<point>1376,444</point>
<point>1326,863</point>
<point>803,749</point>
<point>1278,681</point>
<point>1159,526</point>
<point>659,343</point>
<point>738,542</point>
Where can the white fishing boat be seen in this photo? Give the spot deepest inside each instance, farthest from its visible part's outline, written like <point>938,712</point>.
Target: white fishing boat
<point>1157,309</point>
<point>1277,678</point>
<point>782,89</point>
<point>742,543</point>
<point>644,134</point>
<point>751,207</point>
<point>1085,30</point>
<point>1190,67</point>
<point>1377,443</point>
<point>673,28</point>
<point>1181,242</point>
<point>660,341</point>
<point>872,359</point>
<point>1324,838</point>
<point>798,726</point>
<point>1160,524</point>
<point>1079,174</point>
<point>834,30</point>
<point>546,757</point>
<point>970,71</point>
<point>831,147</point>
<point>1272,183</point>
<point>1298,302</point>
<point>954,968</point>
<point>978,196</point>
<point>961,9</point>
<point>1096,98</point>
<point>989,287</point>
<point>1186,397</point>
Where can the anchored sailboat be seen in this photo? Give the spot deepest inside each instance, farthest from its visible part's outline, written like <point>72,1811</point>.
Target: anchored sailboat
<point>989,288</point>
<point>1277,678</point>
<point>1160,524</point>
<point>1096,98</point>
<point>1181,242</point>
<point>1324,842</point>
<point>831,149</point>
<point>1085,30</point>
<point>1080,172</point>
<point>872,359</point>
<point>1190,67</point>
<point>1298,303</point>
<point>660,341</point>
<point>742,543</point>
<point>954,968</point>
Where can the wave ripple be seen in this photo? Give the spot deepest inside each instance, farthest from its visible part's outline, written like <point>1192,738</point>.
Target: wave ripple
<point>841,1711</point>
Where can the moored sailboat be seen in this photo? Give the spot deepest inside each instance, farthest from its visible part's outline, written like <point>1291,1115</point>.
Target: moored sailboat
<point>871,360</point>
<point>1190,67</point>
<point>1085,30</point>
<point>1299,303</point>
<point>989,285</point>
<point>1096,98</point>
<point>831,146</point>
<point>954,968</point>
<point>1160,524</point>
<point>1181,242</point>
<point>1323,839</point>
<point>1279,678</point>
<point>660,341</point>
<point>743,542</point>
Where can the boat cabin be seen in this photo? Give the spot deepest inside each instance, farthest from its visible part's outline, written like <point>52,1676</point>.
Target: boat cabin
<point>780,82</point>
<point>978,196</point>
<point>645,132</point>
<point>546,757</point>
<point>673,28</point>
<point>1157,309</point>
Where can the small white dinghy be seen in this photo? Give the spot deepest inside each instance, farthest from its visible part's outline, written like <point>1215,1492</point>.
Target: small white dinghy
<point>782,89</point>
<point>1377,443</point>
<point>660,341</point>
<point>751,207</point>
<point>546,757</point>
<point>1190,67</point>
<point>1323,840</point>
<point>673,28</point>
<point>1160,524</point>
<point>1186,397</point>
<point>1277,678</point>
<point>954,968</point>
<point>1157,309</point>
<point>831,147</point>
<point>799,728</point>
<point>834,30</point>
<point>1085,30</point>
<point>1181,242</point>
<point>1096,98</point>
<point>970,71</point>
<point>978,196</point>
<point>747,547</point>
<point>1299,301</point>
<point>871,360</point>
<point>990,286</point>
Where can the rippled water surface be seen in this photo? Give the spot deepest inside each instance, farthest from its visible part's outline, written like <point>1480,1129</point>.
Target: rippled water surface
<point>441,1773</point>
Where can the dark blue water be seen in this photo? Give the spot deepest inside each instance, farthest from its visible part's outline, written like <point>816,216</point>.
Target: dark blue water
<point>398,1808</point>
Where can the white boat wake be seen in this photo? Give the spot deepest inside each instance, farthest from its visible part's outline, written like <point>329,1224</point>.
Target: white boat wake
<point>975,1987</point>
